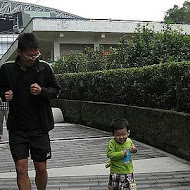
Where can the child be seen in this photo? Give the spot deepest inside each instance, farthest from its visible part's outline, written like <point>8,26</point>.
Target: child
<point>3,113</point>
<point>118,151</point>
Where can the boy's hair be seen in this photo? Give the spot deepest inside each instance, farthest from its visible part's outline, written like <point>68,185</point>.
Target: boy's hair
<point>27,41</point>
<point>119,123</point>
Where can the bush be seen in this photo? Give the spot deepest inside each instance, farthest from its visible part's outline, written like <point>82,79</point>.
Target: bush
<point>165,86</point>
<point>146,47</point>
<point>89,60</point>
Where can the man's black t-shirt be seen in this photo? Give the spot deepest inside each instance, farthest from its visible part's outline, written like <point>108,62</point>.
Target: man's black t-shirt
<point>27,105</point>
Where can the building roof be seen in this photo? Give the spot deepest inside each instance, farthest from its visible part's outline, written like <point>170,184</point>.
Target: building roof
<point>48,31</point>
<point>9,8</point>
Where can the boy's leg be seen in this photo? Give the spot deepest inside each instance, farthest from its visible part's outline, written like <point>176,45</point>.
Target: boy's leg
<point>113,182</point>
<point>118,182</point>
<point>110,182</point>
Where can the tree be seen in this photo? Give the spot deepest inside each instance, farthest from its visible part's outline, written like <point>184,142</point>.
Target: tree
<point>148,47</point>
<point>178,15</point>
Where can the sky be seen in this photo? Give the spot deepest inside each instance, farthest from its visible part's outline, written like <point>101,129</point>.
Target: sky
<point>142,10</point>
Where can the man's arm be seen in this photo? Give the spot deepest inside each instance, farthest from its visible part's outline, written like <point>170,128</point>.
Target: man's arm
<point>52,88</point>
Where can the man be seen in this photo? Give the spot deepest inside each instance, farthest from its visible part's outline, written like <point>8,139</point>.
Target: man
<point>28,84</point>
<point>3,113</point>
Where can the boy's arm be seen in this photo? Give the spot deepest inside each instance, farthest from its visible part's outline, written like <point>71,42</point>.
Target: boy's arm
<point>133,149</point>
<point>112,154</point>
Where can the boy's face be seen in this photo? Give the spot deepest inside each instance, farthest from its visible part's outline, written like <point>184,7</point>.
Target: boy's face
<point>121,135</point>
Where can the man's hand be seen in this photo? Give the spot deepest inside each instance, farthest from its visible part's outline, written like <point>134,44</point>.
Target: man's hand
<point>35,89</point>
<point>9,95</point>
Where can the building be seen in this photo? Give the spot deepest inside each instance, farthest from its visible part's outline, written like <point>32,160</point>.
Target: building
<point>14,16</point>
<point>60,35</point>
<point>6,40</point>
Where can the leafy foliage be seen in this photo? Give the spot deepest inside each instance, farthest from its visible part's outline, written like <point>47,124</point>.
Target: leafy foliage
<point>146,47</point>
<point>89,60</point>
<point>150,70</point>
<point>165,86</point>
<point>72,63</point>
<point>178,15</point>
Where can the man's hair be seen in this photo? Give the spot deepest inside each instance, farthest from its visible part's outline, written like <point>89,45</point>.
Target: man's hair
<point>118,124</point>
<point>27,41</point>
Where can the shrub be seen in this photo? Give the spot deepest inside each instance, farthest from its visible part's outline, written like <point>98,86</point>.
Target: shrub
<point>165,86</point>
<point>146,47</point>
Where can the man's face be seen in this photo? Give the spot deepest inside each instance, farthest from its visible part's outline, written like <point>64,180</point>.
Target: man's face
<point>28,57</point>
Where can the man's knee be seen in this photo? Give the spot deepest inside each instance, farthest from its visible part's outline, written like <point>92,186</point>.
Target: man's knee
<point>21,168</point>
<point>40,167</point>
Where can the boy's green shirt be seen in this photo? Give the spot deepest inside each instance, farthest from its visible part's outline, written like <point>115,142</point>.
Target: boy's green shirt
<point>115,153</point>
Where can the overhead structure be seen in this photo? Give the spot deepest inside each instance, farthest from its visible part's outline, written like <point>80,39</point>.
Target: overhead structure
<point>15,16</point>
<point>9,8</point>
<point>61,33</point>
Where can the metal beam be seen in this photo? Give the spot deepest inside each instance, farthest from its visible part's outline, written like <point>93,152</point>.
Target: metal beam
<point>12,7</point>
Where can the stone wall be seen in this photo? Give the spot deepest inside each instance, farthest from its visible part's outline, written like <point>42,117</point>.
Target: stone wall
<point>167,130</point>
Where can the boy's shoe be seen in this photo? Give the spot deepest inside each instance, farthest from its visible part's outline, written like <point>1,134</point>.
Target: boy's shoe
<point>1,138</point>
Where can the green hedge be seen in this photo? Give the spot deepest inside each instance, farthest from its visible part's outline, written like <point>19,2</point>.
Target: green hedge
<point>146,47</point>
<point>165,86</point>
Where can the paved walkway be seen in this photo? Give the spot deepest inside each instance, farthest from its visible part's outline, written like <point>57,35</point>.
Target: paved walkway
<point>79,158</point>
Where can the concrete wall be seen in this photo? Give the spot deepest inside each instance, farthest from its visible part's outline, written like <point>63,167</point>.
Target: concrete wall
<point>53,32</point>
<point>163,129</point>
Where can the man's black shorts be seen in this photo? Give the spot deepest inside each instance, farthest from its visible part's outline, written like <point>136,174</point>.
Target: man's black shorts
<point>34,142</point>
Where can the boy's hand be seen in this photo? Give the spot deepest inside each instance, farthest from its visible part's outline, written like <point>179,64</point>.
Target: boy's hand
<point>125,152</point>
<point>127,158</point>
<point>133,149</point>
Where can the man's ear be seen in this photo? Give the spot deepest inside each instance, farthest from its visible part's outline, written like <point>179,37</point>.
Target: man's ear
<point>18,52</point>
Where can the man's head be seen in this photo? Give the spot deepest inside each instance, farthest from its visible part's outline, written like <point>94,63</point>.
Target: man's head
<point>28,49</point>
<point>27,41</point>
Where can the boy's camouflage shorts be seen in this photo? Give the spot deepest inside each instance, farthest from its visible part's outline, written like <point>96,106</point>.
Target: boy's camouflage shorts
<point>118,182</point>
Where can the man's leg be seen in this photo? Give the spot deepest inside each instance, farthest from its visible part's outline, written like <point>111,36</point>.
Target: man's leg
<point>41,175</point>
<point>1,124</point>
<point>23,180</point>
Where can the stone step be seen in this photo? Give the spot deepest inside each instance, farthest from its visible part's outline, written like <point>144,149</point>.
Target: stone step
<point>146,181</point>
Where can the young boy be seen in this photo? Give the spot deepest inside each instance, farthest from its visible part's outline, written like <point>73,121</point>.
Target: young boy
<point>118,151</point>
